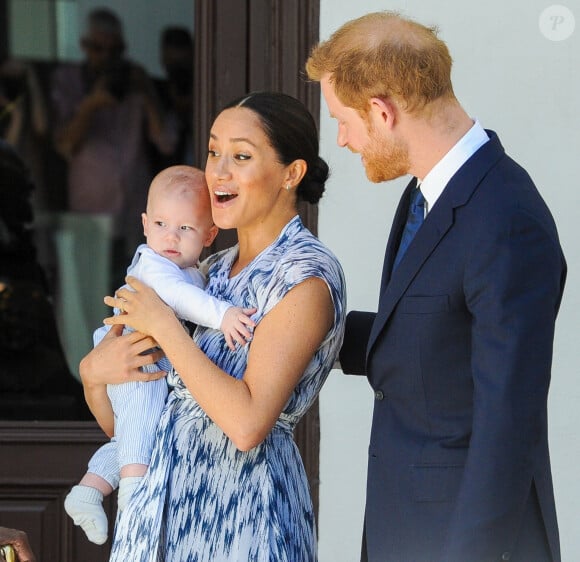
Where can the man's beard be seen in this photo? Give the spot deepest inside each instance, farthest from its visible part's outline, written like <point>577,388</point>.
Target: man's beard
<point>385,160</point>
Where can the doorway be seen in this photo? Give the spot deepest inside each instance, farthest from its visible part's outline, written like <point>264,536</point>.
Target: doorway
<point>267,43</point>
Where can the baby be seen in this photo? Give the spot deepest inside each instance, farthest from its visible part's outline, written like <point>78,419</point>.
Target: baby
<point>177,225</point>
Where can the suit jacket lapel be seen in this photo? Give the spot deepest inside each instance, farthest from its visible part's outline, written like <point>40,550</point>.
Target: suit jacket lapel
<point>439,220</point>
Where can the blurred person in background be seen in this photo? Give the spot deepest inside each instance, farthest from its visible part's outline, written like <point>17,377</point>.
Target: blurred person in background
<point>24,119</point>
<point>106,113</point>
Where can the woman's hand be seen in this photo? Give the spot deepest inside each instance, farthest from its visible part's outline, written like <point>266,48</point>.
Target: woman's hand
<point>116,359</point>
<point>142,309</point>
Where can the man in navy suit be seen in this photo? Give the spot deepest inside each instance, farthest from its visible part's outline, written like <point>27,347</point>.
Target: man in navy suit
<point>459,353</point>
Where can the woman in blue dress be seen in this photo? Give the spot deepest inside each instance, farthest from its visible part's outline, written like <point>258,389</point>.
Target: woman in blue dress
<point>226,482</point>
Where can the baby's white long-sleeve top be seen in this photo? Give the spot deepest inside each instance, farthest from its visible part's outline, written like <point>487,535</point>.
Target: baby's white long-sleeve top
<point>182,289</point>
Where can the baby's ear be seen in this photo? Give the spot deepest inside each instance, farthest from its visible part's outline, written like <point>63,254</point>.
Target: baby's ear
<point>211,234</point>
<point>144,222</point>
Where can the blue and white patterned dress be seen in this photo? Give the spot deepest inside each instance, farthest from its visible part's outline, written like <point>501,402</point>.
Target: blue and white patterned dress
<point>203,500</point>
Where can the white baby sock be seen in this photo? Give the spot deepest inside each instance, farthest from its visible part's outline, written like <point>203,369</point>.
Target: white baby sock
<point>127,486</point>
<point>85,506</point>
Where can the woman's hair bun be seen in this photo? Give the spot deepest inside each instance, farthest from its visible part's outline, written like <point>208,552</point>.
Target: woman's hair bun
<point>311,188</point>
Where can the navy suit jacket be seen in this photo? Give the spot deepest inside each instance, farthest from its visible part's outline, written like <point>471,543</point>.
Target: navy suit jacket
<point>459,355</point>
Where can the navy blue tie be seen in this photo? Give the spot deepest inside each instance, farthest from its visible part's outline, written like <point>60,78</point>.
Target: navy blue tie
<point>415,219</point>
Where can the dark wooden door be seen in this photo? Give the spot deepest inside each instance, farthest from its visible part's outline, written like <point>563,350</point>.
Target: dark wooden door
<point>39,463</point>
<point>247,45</point>
<point>243,46</point>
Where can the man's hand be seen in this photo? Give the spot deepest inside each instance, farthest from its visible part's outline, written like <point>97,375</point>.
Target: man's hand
<point>18,540</point>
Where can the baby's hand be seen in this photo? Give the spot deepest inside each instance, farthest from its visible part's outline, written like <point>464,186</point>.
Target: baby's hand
<point>237,326</point>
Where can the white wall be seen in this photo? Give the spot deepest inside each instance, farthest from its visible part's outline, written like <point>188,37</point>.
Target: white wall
<point>526,86</point>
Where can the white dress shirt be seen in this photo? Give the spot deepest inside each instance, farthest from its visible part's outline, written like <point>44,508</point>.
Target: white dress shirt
<point>433,184</point>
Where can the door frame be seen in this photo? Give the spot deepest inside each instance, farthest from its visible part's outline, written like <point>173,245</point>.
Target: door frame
<point>248,45</point>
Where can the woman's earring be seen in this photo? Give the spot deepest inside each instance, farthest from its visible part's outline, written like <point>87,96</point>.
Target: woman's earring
<point>288,187</point>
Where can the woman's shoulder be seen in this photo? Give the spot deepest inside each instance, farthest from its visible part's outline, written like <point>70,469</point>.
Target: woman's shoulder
<point>305,248</point>
<point>297,256</point>
<point>302,255</point>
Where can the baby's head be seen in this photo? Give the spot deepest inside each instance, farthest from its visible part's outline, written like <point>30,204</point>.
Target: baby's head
<point>178,222</point>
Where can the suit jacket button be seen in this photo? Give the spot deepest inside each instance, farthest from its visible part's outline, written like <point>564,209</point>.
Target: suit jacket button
<point>505,556</point>
<point>379,395</point>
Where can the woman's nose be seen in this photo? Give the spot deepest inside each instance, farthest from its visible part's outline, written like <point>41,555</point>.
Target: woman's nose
<point>221,168</point>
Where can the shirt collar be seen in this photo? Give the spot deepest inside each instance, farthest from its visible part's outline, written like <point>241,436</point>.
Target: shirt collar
<point>433,184</point>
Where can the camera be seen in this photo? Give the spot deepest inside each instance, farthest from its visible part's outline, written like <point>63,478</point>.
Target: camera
<point>118,78</point>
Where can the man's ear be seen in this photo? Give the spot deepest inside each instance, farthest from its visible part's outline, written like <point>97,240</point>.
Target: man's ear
<point>384,111</point>
<point>211,234</point>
